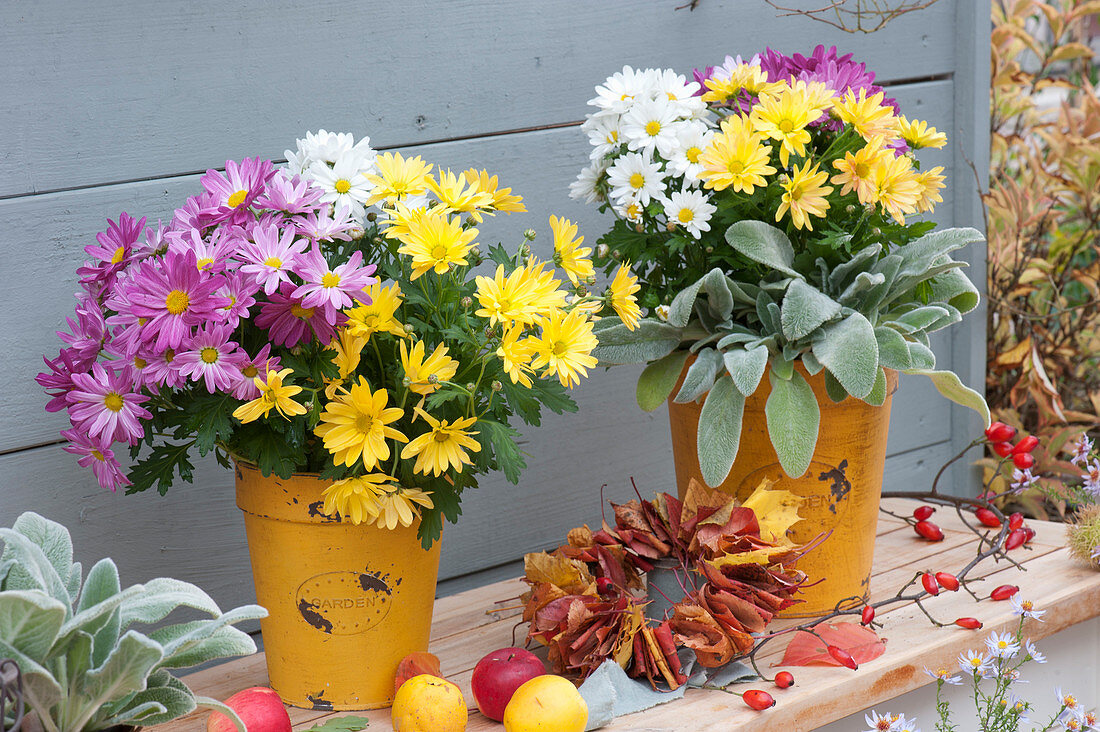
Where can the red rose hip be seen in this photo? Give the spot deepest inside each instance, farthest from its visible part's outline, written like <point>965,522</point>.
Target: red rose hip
<point>930,584</point>
<point>758,700</point>
<point>928,530</point>
<point>947,581</point>
<point>784,679</point>
<point>969,623</point>
<point>1023,460</point>
<point>843,657</point>
<point>987,518</point>
<point>1000,432</point>
<point>1025,445</point>
<point>923,513</point>
<point>868,615</point>
<point>1003,592</point>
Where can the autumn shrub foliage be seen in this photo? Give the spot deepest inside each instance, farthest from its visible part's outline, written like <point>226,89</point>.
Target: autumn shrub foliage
<point>1043,222</point>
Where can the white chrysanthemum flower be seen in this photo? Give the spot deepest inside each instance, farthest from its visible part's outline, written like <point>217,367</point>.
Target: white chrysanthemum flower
<point>691,140</point>
<point>690,210</point>
<point>604,134</point>
<point>651,125</point>
<point>622,88</point>
<point>1002,645</point>
<point>344,184</point>
<point>634,179</point>
<point>326,147</point>
<point>629,210</point>
<point>681,92</point>
<point>584,187</point>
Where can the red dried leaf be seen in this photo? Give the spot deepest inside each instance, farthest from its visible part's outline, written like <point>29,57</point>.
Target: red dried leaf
<point>806,649</point>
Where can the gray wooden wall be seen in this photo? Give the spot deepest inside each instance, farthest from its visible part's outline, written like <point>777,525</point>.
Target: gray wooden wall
<point>121,104</point>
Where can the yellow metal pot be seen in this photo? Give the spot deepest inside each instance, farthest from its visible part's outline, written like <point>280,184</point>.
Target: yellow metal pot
<point>346,603</point>
<point>842,488</point>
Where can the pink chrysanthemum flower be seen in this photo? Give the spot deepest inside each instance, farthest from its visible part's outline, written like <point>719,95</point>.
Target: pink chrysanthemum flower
<point>325,226</point>
<point>58,382</point>
<point>197,212</point>
<point>289,323</point>
<point>97,454</point>
<point>154,244</point>
<point>234,190</point>
<point>213,358</point>
<point>104,405</point>
<point>212,254</point>
<point>127,335</point>
<point>163,369</point>
<point>333,288</point>
<point>89,330</point>
<point>289,195</point>
<point>173,296</point>
<point>112,252</point>
<point>239,290</point>
<point>245,385</point>
<point>269,259</point>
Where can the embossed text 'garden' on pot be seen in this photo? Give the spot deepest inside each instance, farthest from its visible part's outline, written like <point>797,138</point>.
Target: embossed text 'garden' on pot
<point>346,603</point>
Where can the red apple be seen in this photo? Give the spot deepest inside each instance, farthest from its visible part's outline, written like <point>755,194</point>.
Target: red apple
<point>260,708</point>
<point>498,675</point>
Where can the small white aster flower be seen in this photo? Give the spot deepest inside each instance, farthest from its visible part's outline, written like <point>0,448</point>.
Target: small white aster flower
<point>689,210</point>
<point>881,722</point>
<point>1033,652</point>
<point>1026,608</point>
<point>651,125</point>
<point>1002,645</point>
<point>1095,552</point>
<point>1082,446</point>
<point>944,675</point>
<point>1069,701</point>
<point>692,139</point>
<point>584,187</point>
<point>904,724</point>
<point>634,179</point>
<point>1092,477</point>
<point>1023,479</point>
<point>619,92</point>
<point>974,662</point>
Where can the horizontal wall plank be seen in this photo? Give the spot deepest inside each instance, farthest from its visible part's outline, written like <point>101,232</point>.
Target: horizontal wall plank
<point>122,90</point>
<point>38,277</point>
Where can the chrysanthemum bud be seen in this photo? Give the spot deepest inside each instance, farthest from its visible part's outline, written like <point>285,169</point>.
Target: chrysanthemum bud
<point>601,250</point>
<point>470,386</point>
<point>406,382</point>
<point>639,228</point>
<point>496,385</point>
<point>850,208</point>
<point>581,290</point>
<point>524,250</point>
<point>670,226</point>
<point>372,216</point>
<point>590,280</point>
<point>488,331</point>
<point>530,234</point>
<point>710,250</point>
<point>616,254</point>
<point>466,302</point>
<point>876,231</point>
<point>433,378</point>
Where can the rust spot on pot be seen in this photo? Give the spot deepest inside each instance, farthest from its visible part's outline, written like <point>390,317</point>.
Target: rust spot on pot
<point>319,704</point>
<point>314,618</point>
<point>377,582</point>
<point>841,485</point>
<point>237,470</point>
<point>316,509</point>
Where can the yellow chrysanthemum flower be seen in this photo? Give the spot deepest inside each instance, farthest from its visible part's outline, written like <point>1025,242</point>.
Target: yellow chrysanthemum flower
<point>804,196</point>
<point>456,194</point>
<point>857,170</point>
<point>515,353</point>
<point>379,315</point>
<point>424,374</point>
<point>355,498</point>
<point>736,157</point>
<point>931,183</point>
<point>897,188</point>
<point>397,178</point>
<point>565,346</point>
<point>520,297</point>
<point>542,287</point>
<point>783,116</point>
<point>401,219</point>
<point>918,134</point>
<point>443,446</point>
<point>868,116</point>
<point>401,506</point>
<point>743,78</point>
<point>356,424</point>
<point>503,198</point>
<point>620,294</point>
<point>437,242</point>
<point>274,394</point>
<point>568,253</point>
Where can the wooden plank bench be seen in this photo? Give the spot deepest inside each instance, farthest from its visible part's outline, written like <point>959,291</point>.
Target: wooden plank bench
<point>470,624</point>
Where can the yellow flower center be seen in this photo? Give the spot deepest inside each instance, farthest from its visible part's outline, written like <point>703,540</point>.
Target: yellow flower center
<point>177,301</point>
<point>209,355</point>
<point>364,422</point>
<point>97,454</point>
<point>686,215</point>
<point>140,362</point>
<point>637,180</point>
<point>736,167</point>
<point>653,127</point>
<point>204,262</point>
<point>113,401</point>
<point>1070,701</point>
<point>441,436</point>
<point>169,356</point>
<point>1027,606</point>
<point>862,170</point>
<point>331,279</point>
<point>560,348</point>
<point>633,210</point>
<point>693,154</point>
<point>612,137</point>
<point>274,262</point>
<point>300,312</point>
<point>342,185</point>
<point>118,255</point>
<point>796,193</point>
<point>439,251</point>
<point>237,198</point>
<point>250,371</point>
<point>785,126</point>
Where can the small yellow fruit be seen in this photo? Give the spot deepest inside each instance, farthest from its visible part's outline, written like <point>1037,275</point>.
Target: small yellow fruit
<point>546,703</point>
<point>427,703</point>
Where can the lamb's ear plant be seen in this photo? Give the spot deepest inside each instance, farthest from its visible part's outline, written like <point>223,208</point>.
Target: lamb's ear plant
<point>94,655</point>
<point>851,319</point>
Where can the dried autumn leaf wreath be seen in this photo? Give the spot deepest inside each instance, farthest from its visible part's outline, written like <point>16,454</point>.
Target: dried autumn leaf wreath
<point>586,600</point>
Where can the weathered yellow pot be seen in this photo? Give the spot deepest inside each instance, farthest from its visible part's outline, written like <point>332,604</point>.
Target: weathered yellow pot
<point>842,488</point>
<point>345,603</point>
